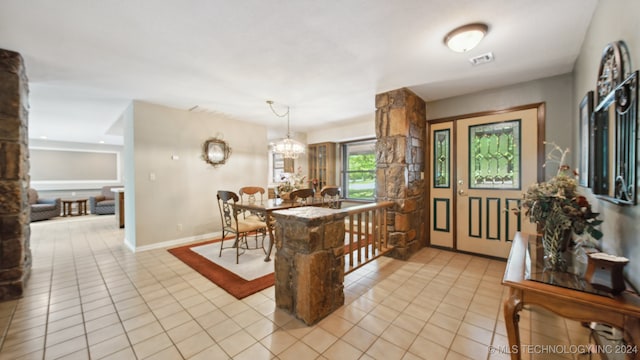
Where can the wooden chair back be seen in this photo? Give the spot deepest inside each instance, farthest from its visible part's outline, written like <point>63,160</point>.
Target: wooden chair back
<point>248,193</point>
<point>331,197</point>
<point>228,216</point>
<point>231,225</point>
<point>302,194</point>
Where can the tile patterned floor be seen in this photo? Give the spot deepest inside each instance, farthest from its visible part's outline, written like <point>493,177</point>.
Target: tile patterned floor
<point>90,298</point>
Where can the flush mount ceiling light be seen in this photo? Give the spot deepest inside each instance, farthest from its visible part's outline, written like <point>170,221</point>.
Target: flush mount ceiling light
<point>288,147</point>
<point>465,37</point>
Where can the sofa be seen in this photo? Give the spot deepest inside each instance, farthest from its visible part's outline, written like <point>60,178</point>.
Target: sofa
<point>105,203</point>
<point>41,208</point>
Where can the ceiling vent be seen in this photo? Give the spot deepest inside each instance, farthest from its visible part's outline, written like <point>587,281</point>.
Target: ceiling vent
<point>482,59</point>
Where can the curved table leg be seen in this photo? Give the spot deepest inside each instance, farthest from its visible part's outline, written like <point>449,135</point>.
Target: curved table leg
<point>513,305</point>
<point>267,219</point>
<point>632,337</point>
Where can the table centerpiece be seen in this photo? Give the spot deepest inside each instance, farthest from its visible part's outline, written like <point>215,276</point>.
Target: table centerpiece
<point>560,211</point>
<point>289,182</point>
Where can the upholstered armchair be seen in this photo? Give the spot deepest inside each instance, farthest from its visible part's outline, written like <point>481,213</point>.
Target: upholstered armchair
<point>43,209</point>
<point>105,203</point>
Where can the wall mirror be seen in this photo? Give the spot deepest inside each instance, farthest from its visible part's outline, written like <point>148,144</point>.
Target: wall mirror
<point>613,140</point>
<point>215,151</point>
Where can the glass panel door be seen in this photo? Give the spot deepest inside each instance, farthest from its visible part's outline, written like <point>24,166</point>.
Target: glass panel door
<point>490,175</point>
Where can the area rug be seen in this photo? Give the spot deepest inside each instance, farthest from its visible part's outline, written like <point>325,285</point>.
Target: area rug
<point>251,275</point>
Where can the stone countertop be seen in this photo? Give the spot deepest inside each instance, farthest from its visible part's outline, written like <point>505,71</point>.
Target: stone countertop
<point>310,213</point>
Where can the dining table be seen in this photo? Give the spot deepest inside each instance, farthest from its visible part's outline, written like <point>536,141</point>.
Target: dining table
<point>268,206</point>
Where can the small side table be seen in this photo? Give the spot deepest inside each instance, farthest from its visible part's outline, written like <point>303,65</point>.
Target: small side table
<point>67,207</point>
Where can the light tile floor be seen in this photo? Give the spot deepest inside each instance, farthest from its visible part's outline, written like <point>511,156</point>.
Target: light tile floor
<point>89,297</point>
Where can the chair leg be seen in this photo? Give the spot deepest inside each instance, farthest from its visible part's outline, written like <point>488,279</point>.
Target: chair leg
<point>257,233</point>
<point>240,240</point>
<point>235,244</point>
<point>237,248</point>
<point>222,243</point>
<point>241,243</point>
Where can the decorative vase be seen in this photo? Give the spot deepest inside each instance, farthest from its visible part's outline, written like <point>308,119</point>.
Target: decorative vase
<point>555,242</point>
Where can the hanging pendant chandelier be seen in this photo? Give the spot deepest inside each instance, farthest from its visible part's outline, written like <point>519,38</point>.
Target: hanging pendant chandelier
<point>288,147</point>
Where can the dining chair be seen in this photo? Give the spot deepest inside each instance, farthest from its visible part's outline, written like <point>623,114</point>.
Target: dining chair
<point>301,194</point>
<point>248,194</point>
<point>330,196</point>
<point>240,227</point>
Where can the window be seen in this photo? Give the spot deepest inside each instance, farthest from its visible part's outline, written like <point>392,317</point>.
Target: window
<point>359,169</point>
<point>280,167</point>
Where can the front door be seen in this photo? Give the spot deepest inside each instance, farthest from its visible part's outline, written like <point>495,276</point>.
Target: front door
<point>497,159</point>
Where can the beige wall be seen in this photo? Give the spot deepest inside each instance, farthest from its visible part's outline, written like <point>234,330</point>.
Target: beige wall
<point>612,20</point>
<point>362,127</point>
<point>66,165</point>
<point>183,194</point>
<point>556,92</point>
<point>47,175</point>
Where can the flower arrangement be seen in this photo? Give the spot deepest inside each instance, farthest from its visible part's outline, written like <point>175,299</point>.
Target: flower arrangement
<point>559,209</point>
<point>313,183</point>
<point>291,181</point>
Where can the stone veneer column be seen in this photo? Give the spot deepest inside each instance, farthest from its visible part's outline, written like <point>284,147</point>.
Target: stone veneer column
<point>400,129</point>
<point>309,261</point>
<point>15,255</point>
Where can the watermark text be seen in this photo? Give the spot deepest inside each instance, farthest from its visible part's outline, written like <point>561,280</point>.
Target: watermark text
<point>564,349</point>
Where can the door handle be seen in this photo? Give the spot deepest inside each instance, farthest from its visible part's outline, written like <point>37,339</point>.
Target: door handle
<point>461,190</point>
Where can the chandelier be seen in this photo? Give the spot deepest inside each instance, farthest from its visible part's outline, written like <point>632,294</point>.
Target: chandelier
<point>288,147</point>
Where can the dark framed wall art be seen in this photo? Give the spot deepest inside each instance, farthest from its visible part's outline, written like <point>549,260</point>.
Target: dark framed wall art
<point>586,109</point>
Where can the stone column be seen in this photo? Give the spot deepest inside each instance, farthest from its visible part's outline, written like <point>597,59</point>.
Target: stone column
<point>400,149</point>
<point>15,255</point>
<point>309,261</point>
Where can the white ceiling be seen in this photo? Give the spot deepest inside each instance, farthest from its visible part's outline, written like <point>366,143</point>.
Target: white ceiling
<point>87,59</point>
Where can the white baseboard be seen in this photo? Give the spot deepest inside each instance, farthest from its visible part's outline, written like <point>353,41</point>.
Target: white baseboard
<point>170,243</point>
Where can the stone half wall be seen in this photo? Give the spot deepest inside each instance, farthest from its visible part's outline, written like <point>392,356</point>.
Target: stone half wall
<point>15,254</point>
<point>309,261</point>
<point>400,149</point>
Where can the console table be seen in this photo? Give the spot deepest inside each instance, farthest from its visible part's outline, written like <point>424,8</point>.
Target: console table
<point>565,296</point>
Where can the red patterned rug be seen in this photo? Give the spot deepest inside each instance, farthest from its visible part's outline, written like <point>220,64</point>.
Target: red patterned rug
<point>229,281</point>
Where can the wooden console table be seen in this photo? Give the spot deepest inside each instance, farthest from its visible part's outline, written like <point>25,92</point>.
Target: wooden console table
<point>563,295</point>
